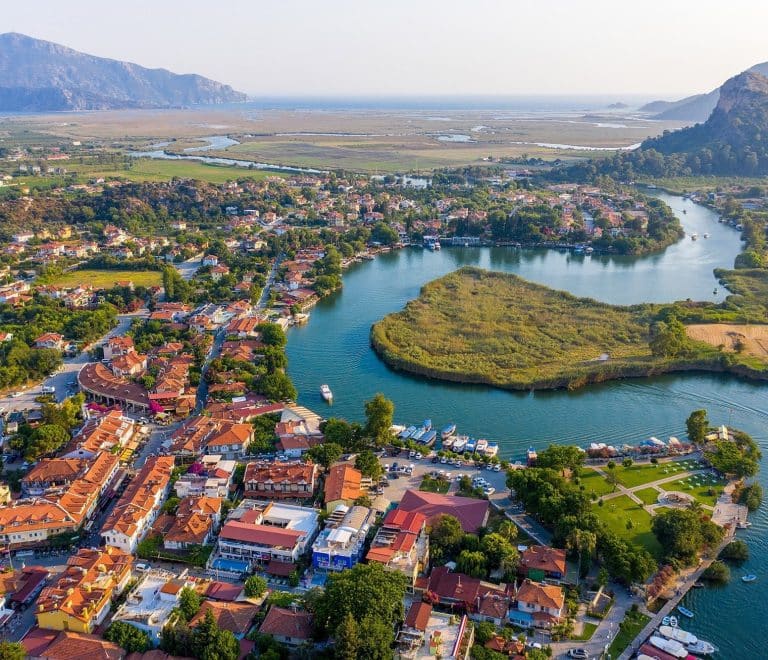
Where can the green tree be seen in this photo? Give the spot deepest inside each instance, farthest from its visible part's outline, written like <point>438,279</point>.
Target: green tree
<point>45,439</point>
<point>683,533</point>
<point>472,563</point>
<point>368,463</point>
<point>583,543</point>
<point>347,639</point>
<point>717,572</point>
<point>697,425</point>
<point>272,334</point>
<point>508,530</point>
<point>484,632</point>
<point>189,603</point>
<point>561,458</point>
<point>326,453</point>
<point>500,552</point>
<point>376,639</point>
<point>669,339</point>
<point>170,505</point>
<point>735,551</point>
<point>12,650</point>
<point>379,413</point>
<point>277,386</point>
<point>212,643</point>
<point>340,432</point>
<point>445,535</point>
<point>255,586</point>
<point>127,637</point>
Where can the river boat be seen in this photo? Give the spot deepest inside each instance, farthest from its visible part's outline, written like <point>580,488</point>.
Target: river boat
<point>678,634</point>
<point>706,235</point>
<point>694,236</point>
<point>701,647</point>
<point>407,433</point>
<point>447,431</point>
<point>481,446</point>
<point>427,424</point>
<point>749,578</point>
<point>531,456</point>
<point>418,434</point>
<point>744,524</point>
<point>670,646</point>
<point>685,611</point>
<point>589,250</point>
<point>460,443</point>
<point>698,585</point>
<point>429,438</point>
<point>447,443</point>
<point>471,445</point>
<point>326,393</point>
<point>492,449</point>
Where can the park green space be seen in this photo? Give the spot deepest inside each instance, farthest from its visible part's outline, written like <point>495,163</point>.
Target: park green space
<point>630,628</point>
<point>594,482</point>
<point>615,513</point>
<point>104,279</point>
<point>638,474</point>
<point>703,489</point>
<point>647,495</point>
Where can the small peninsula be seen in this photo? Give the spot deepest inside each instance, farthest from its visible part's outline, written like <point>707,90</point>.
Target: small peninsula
<point>475,326</point>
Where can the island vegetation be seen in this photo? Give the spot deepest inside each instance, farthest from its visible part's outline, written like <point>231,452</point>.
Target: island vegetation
<point>482,327</point>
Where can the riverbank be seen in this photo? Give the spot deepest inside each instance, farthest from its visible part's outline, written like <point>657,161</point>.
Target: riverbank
<point>480,327</point>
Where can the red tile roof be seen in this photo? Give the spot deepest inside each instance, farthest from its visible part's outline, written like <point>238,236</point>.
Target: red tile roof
<point>544,558</point>
<point>471,513</point>
<point>287,623</point>
<point>342,483</point>
<point>418,616</point>
<point>266,535</point>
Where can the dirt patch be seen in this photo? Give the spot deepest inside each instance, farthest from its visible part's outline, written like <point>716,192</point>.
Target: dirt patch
<point>749,339</point>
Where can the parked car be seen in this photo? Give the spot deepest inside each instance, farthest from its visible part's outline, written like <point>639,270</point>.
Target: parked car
<point>578,653</point>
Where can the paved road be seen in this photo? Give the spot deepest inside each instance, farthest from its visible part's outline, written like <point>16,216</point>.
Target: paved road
<point>188,268</point>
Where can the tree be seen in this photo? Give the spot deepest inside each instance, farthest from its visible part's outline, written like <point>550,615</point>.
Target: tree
<point>189,603</point>
<point>212,643</point>
<point>170,505</point>
<point>45,439</point>
<point>272,334</point>
<point>12,651</point>
<point>717,572</point>
<point>737,551</point>
<point>325,454</point>
<point>379,413</point>
<point>684,532</point>
<point>368,463</point>
<point>347,639</point>
<point>627,462</point>
<point>508,530</point>
<point>277,386</point>
<point>340,432</point>
<point>583,543</point>
<point>472,563</point>
<point>602,577</point>
<point>376,639</point>
<point>500,552</point>
<point>126,636</point>
<point>255,586</point>
<point>365,590</point>
<point>484,631</point>
<point>445,535</point>
<point>669,339</point>
<point>729,458</point>
<point>697,425</point>
<point>560,458</point>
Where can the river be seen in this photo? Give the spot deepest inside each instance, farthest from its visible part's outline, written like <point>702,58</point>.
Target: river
<point>333,348</point>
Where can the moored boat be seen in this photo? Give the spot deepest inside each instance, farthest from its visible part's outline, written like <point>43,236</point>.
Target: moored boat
<point>448,430</point>
<point>417,435</point>
<point>701,647</point>
<point>678,634</point>
<point>447,443</point>
<point>685,611</point>
<point>531,456</point>
<point>407,433</point>
<point>471,444</point>
<point>427,424</point>
<point>751,577</point>
<point>326,393</point>
<point>460,443</point>
<point>670,646</point>
<point>481,446</point>
<point>429,438</point>
<point>492,449</point>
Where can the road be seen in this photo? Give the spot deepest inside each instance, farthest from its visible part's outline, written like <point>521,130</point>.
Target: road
<point>188,268</point>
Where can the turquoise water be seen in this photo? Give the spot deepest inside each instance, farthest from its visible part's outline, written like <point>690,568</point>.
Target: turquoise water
<point>333,348</point>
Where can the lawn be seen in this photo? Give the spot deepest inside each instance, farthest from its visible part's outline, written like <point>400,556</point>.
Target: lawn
<point>633,623</point>
<point>638,474</point>
<point>594,482</point>
<point>703,488</point>
<point>100,279</point>
<point>432,485</point>
<point>617,511</point>
<point>586,633</point>
<point>648,495</point>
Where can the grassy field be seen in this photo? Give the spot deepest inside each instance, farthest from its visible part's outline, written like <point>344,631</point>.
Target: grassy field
<point>586,633</point>
<point>703,489</point>
<point>617,511</point>
<point>685,184</point>
<point>146,169</point>
<point>639,474</point>
<point>594,482</point>
<point>633,623</point>
<point>483,327</point>
<point>648,495</point>
<point>104,278</point>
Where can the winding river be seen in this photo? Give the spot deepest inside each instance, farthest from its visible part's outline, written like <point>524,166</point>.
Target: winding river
<point>333,348</point>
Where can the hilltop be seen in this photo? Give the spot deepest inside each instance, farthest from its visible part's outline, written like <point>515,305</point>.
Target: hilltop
<point>41,76</point>
<point>695,108</point>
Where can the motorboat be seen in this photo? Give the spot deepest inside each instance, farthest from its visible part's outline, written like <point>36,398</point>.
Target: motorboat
<point>448,430</point>
<point>751,577</point>
<point>685,611</point>
<point>460,443</point>
<point>669,621</point>
<point>692,643</point>
<point>670,646</point>
<point>698,585</point>
<point>694,236</point>
<point>701,647</point>
<point>427,424</point>
<point>481,446</point>
<point>326,393</point>
<point>407,433</point>
<point>447,443</point>
<point>744,524</point>
<point>706,235</point>
<point>492,449</point>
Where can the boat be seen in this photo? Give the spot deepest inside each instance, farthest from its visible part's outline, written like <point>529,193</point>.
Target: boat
<point>701,647</point>
<point>714,293</point>
<point>706,235</point>
<point>749,578</point>
<point>447,443</point>
<point>685,611</point>
<point>481,446</point>
<point>448,430</point>
<point>744,524</point>
<point>670,646</point>
<point>407,433</point>
<point>694,236</point>
<point>531,456</point>
<point>678,634</point>
<point>589,250</point>
<point>669,621</point>
<point>698,585</point>
<point>429,438</point>
<point>471,444</point>
<point>418,434</point>
<point>427,424</point>
<point>492,449</point>
<point>326,393</point>
<point>460,443</point>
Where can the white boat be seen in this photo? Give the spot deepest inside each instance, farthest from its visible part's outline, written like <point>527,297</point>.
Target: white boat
<point>669,646</point>
<point>460,443</point>
<point>326,393</point>
<point>701,647</point>
<point>669,621</point>
<point>678,634</point>
<point>744,524</point>
<point>706,235</point>
<point>492,449</point>
<point>481,446</point>
<point>694,236</point>
<point>749,578</point>
<point>447,443</point>
<point>448,431</point>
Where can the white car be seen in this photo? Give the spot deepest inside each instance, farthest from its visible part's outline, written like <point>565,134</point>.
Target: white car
<point>497,467</point>
<point>489,491</point>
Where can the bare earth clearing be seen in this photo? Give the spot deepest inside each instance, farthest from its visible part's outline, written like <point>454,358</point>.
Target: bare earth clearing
<point>752,338</point>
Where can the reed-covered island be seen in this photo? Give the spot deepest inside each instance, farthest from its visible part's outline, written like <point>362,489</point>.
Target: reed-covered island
<point>475,326</point>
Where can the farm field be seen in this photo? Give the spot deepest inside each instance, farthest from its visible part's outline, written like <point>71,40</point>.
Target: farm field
<point>749,339</point>
<point>104,278</point>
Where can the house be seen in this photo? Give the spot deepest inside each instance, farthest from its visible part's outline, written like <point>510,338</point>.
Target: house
<point>538,605</point>
<point>471,513</point>
<point>340,545</point>
<point>427,634</point>
<point>31,522</point>
<point>52,473</point>
<point>50,340</point>
<point>210,260</point>
<point>150,603</point>
<point>259,532</point>
<point>80,597</point>
<point>20,587</point>
<point>214,480</point>
<point>194,523</point>
<point>402,544</point>
<point>280,480</point>
<point>298,431</point>
<point>230,440</point>
<point>129,365</point>
<point>117,346</point>
<point>244,327</point>
<point>342,486</point>
<point>139,505</point>
<point>490,605</point>
<point>235,617</point>
<point>289,627</point>
<point>540,561</point>
<point>42,644</point>
<point>218,271</point>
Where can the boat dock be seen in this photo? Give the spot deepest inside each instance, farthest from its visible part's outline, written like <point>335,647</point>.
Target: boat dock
<point>679,594</point>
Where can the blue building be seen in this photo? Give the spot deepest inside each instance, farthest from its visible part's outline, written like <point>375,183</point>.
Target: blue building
<point>340,545</point>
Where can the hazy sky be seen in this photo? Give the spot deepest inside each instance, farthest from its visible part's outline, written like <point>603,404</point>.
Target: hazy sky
<point>418,47</point>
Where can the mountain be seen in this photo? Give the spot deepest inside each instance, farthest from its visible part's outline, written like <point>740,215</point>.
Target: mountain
<point>37,76</point>
<point>693,108</point>
<point>734,140</point>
